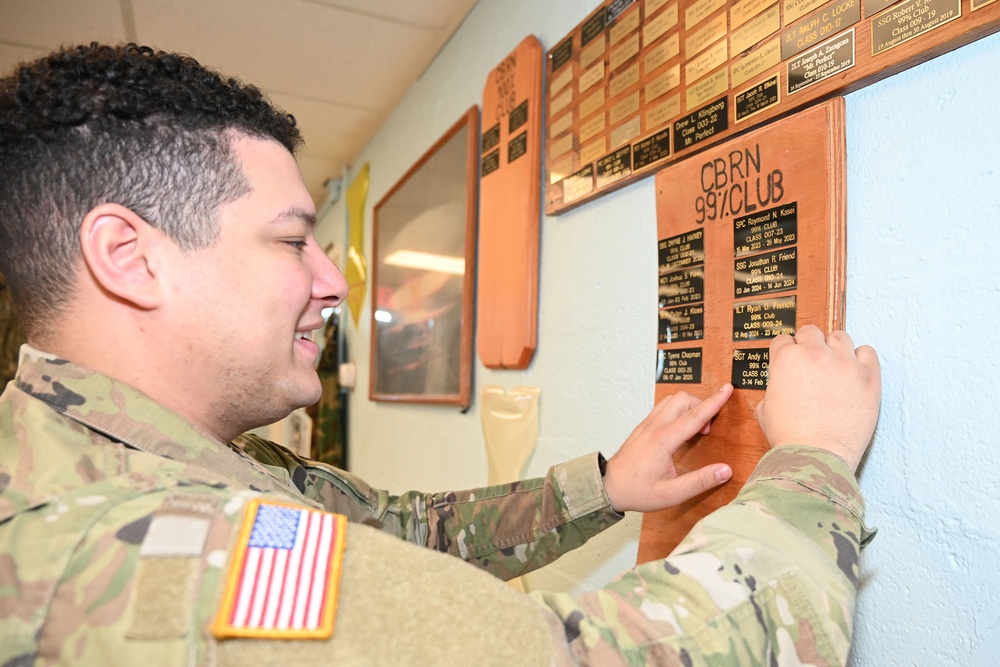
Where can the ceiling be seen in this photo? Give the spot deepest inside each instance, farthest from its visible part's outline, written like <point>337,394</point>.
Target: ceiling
<point>339,66</point>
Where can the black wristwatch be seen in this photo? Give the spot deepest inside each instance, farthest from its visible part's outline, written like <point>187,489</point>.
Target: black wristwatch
<point>602,463</point>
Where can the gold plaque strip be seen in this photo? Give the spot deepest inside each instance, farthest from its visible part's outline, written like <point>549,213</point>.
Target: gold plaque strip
<point>561,169</point>
<point>560,125</point>
<point>764,58</point>
<point>662,113</point>
<point>663,83</point>
<point>742,12</point>
<point>593,127</point>
<point>712,32</point>
<point>662,52</point>
<point>711,87</point>
<point>979,4</point>
<point>561,81</point>
<point>653,5</point>
<point>766,24</point>
<point>593,51</point>
<point>579,184</point>
<point>625,108</point>
<point>625,80</point>
<point>623,25</point>
<point>592,77</point>
<point>818,26</point>
<point>593,150</point>
<point>561,102</point>
<point>624,133</point>
<point>621,55</point>
<point>795,9</point>
<point>592,103</point>
<point>905,21</point>
<point>706,62</point>
<point>564,145</point>
<point>652,30</point>
<point>700,11</point>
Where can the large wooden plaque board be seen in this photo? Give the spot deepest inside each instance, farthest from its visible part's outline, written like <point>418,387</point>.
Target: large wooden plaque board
<point>751,245</point>
<point>642,83</point>
<point>510,196</point>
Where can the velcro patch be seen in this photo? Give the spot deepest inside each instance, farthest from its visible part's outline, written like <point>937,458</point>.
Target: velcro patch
<point>284,574</point>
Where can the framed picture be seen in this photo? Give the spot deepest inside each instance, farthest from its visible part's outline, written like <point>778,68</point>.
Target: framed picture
<point>423,277</point>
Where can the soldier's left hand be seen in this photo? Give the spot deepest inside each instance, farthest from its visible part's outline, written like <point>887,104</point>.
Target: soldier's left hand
<point>641,476</point>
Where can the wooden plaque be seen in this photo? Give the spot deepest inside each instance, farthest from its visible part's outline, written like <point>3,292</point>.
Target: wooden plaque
<point>510,196</point>
<point>751,245</point>
<point>642,83</point>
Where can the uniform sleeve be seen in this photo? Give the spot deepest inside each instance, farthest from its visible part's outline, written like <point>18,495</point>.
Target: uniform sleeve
<point>507,529</point>
<point>769,579</point>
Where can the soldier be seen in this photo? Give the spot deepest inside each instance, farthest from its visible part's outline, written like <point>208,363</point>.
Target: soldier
<point>147,205</point>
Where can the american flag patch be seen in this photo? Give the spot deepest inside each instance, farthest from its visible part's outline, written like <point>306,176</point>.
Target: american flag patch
<point>284,574</point>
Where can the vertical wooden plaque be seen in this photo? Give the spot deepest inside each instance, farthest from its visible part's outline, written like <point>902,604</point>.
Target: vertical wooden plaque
<point>510,207</point>
<point>751,245</point>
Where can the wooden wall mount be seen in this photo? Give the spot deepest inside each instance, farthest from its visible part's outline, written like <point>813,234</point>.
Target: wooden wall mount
<point>752,243</point>
<point>510,208</point>
<point>640,84</point>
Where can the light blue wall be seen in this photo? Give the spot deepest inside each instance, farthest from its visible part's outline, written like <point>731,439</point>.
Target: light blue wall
<point>923,287</point>
<point>923,210</point>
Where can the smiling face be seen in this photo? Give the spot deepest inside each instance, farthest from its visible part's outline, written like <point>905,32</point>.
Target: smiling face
<point>244,307</point>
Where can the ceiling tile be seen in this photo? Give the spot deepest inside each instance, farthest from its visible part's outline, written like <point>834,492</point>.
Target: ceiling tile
<point>432,13</point>
<point>330,129</point>
<point>11,56</point>
<point>305,49</point>
<point>49,24</point>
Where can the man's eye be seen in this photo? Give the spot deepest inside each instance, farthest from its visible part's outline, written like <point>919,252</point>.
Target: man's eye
<point>298,244</point>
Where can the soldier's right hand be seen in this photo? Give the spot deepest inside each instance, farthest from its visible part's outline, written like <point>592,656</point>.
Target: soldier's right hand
<point>821,392</point>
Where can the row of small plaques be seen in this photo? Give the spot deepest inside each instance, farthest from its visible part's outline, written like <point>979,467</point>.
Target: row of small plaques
<point>682,289</point>
<point>516,147</point>
<point>817,41</point>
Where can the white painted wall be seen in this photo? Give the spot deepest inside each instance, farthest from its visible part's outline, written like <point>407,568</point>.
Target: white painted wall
<point>923,211</point>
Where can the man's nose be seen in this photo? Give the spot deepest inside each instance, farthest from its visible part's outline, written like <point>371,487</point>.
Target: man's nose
<point>329,283</point>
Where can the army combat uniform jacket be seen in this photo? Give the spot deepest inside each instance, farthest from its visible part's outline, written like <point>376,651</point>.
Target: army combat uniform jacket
<point>129,537</point>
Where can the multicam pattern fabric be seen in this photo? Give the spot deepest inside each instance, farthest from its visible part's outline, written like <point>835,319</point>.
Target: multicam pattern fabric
<point>770,579</point>
<point>118,520</point>
<point>78,449</point>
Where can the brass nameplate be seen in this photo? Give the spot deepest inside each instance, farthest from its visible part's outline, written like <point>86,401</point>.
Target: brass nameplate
<point>745,10</point>
<point>819,26</point>
<point>761,27</point>
<point>910,19</point>
<point>707,89</point>
<point>764,58</point>
<point>701,10</point>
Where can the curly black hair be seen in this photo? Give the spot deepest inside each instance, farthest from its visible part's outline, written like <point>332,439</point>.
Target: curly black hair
<point>129,125</point>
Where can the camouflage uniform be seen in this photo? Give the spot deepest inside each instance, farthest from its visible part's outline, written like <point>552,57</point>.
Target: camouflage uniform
<point>119,520</point>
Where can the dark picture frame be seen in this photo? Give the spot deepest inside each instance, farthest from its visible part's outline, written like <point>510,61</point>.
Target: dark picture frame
<point>423,275</point>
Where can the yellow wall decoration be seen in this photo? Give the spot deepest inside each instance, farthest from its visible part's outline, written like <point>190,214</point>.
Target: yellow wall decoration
<point>356,270</point>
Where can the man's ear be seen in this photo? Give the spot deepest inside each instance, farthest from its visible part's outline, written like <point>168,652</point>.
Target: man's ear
<point>120,251</point>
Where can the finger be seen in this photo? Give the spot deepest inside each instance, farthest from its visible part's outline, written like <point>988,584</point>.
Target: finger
<point>695,419</point>
<point>809,334</point>
<point>690,484</point>
<point>840,340</point>
<point>784,340</point>
<point>676,405</point>
<point>869,358</point>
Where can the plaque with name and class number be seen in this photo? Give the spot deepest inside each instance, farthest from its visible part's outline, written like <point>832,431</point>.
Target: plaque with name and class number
<point>751,245</point>
<point>509,212</point>
<point>641,84</point>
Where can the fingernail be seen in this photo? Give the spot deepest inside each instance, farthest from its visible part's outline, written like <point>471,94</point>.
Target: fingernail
<point>724,387</point>
<point>723,473</point>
